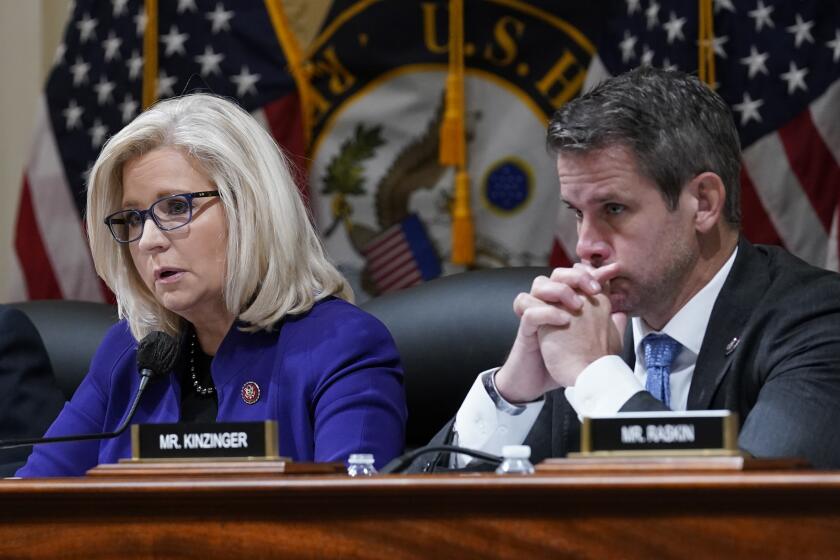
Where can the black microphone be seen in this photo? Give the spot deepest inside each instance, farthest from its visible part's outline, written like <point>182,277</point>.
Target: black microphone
<point>156,354</point>
<point>404,461</point>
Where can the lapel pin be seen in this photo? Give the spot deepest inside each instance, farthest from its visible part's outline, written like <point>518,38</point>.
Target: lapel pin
<point>733,344</point>
<point>250,392</point>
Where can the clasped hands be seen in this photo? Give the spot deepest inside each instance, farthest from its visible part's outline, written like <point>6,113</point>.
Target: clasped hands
<point>566,323</point>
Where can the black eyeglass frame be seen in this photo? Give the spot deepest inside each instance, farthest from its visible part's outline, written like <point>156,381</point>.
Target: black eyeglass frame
<point>112,219</point>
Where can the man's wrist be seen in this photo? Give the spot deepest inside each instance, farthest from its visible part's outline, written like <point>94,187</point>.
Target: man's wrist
<point>488,380</point>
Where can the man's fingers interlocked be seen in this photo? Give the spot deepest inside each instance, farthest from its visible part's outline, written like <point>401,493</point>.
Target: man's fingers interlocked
<point>534,313</point>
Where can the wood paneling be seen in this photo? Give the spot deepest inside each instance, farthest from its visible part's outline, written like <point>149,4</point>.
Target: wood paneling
<point>631,515</point>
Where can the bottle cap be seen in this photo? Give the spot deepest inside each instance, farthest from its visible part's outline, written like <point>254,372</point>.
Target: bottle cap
<point>516,451</point>
<point>364,458</point>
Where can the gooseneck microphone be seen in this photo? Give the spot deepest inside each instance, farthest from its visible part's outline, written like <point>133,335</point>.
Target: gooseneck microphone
<point>156,354</point>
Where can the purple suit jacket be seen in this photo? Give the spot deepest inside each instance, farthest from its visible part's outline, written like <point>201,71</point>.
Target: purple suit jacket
<point>331,378</point>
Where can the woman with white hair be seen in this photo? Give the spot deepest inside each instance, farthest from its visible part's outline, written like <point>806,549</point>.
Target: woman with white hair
<point>197,227</point>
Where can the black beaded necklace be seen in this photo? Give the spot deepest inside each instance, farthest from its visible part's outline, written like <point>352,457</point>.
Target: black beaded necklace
<point>197,386</point>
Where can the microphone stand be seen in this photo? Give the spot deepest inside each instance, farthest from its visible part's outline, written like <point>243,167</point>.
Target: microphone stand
<point>406,459</point>
<point>145,376</point>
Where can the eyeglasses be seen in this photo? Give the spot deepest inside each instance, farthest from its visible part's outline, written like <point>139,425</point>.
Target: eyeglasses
<point>169,212</point>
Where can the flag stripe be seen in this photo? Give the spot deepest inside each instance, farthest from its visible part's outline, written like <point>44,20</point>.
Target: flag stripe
<point>396,260</point>
<point>783,197</point>
<point>57,217</point>
<point>399,282</point>
<point>284,120</point>
<point>408,268</point>
<point>405,266</point>
<point>756,225</point>
<point>34,261</point>
<point>384,244</point>
<point>826,120</point>
<point>558,256</point>
<point>383,258</point>
<point>813,165</point>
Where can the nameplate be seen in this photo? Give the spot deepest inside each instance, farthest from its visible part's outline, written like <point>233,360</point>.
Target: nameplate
<point>225,440</point>
<point>702,432</point>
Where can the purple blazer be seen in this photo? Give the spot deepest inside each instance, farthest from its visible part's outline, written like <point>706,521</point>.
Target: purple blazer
<point>331,378</point>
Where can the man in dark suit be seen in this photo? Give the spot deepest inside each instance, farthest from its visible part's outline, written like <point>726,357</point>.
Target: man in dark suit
<point>29,396</point>
<point>649,163</point>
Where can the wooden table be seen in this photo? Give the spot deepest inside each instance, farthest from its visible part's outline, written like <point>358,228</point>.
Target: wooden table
<point>569,515</point>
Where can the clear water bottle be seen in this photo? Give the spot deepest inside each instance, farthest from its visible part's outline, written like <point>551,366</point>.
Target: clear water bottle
<point>360,464</point>
<point>516,460</point>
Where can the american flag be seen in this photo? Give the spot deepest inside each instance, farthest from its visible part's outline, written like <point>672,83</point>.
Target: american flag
<point>223,46</point>
<point>401,256</point>
<point>778,67</point>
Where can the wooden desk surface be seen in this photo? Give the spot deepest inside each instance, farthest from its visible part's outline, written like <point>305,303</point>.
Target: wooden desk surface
<point>632,515</point>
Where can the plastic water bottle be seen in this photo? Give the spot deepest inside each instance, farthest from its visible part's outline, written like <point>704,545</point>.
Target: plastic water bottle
<point>516,460</point>
<point>360,464</point>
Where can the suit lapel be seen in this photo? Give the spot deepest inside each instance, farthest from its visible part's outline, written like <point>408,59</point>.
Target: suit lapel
<point>743,288</point>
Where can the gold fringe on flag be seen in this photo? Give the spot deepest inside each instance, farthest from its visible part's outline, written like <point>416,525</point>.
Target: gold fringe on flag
<point>706,50</point>
<point>453,140</point>
<point>150,54</point>
<point>294,57</point>
<point>463,229</point>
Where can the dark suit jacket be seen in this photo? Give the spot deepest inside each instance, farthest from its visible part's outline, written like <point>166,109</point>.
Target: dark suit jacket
<point>29,397</point>
<point>782,378</point>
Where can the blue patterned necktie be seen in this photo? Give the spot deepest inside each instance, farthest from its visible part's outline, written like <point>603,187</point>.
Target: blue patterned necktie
<point>660,352</point>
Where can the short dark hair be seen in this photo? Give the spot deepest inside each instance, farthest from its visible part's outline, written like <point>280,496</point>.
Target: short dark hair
<point>673,123</point>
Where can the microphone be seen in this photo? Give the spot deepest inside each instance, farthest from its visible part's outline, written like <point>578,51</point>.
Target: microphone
<point>156,354</point>
<point>404,461</point>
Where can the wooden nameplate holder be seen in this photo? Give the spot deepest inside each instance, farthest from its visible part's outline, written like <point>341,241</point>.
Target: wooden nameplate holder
<point>695,441</point>
<point>216,468</point>
<point>209,449</point>
<point>670,464</point>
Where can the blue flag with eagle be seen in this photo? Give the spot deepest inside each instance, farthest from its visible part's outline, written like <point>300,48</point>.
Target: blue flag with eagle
<point>359,101</point>
<point>379,193</point>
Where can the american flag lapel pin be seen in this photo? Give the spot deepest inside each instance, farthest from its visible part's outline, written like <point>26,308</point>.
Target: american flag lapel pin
<point>733,344</point>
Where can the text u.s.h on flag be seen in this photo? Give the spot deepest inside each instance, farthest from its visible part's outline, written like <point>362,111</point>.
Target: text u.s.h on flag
<point>778,67</point>
<point>94,89</point>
